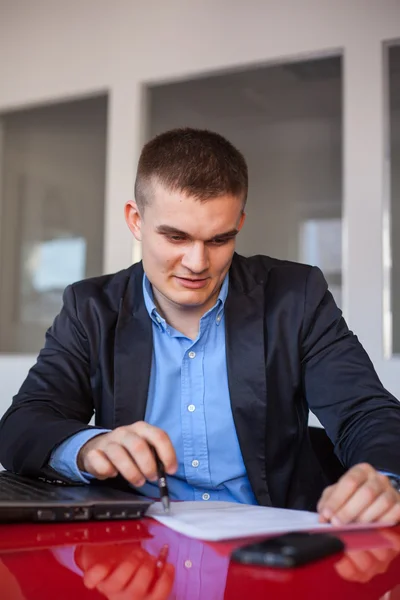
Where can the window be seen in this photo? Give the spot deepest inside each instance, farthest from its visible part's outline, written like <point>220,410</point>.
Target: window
<point>52,213</point>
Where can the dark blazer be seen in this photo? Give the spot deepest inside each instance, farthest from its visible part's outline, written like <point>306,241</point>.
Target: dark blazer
<point>288,350</point>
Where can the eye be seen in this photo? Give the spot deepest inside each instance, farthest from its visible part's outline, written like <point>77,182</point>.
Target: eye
<point>176,238</point>
<point>220,241</point>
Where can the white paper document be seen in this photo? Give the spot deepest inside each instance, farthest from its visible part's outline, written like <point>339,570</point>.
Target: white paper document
<point>214,521</point>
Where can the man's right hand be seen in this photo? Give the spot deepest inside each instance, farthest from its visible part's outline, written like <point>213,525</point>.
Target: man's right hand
<point>128,450</point>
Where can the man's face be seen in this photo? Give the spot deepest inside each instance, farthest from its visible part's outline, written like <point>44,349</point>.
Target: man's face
<point>187,245</point>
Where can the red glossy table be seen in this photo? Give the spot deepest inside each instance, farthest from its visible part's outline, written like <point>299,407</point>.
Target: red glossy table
<point>144,560</point>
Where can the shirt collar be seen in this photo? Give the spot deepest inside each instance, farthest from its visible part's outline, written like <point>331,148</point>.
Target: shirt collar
<point>158,319</point>
<point>150,305</point>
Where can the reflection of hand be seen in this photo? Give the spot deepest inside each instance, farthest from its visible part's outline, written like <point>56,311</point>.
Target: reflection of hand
<point>362,495</point>
<point>124,572</point>
<point>363,565</point>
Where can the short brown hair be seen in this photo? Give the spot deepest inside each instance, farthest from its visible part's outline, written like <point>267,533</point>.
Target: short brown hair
<point>201,163</point>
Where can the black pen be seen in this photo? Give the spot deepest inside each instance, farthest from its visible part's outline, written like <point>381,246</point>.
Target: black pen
<point>162,482</point>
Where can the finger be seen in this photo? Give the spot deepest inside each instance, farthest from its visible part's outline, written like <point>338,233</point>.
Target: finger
<point>345,489</point>
<point>118,579</point>
<point>124,463</point>
<point>95,575</point>
<point>363,560</point>
<point>382,505</point>
<point>163,586</point>
<point>325,495</point>
<point>368,564</point>
<point>141,582</point>
<point>161,442</point>
<point>99,465</point>
<point>369,495</point>
<point>347,570</point>
<point>383,555</point>
<point>356,570</point>
<point>391,537</point>
<point>138,447</point>
<point>392,517</point>
<point>322,502</point>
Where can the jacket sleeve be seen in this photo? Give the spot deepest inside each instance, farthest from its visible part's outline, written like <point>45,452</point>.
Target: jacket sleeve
<point>342,388</point>
<point>55,400</point>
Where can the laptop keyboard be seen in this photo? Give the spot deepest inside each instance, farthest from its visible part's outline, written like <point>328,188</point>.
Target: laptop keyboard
<point>13,489</point>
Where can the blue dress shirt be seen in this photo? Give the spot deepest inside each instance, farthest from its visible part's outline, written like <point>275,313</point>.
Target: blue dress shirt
<point>189,399</point>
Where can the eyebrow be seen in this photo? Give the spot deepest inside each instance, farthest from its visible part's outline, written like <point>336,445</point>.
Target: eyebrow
<point>167,230</point>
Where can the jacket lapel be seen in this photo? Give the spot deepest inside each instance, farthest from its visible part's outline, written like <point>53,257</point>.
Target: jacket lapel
<point>245,347</point>
<point>133,354</point>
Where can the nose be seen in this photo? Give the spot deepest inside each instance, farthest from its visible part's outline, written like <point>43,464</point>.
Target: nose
<point>196,258</point>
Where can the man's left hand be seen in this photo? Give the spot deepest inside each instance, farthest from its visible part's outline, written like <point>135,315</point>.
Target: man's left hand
<point>362,495</point>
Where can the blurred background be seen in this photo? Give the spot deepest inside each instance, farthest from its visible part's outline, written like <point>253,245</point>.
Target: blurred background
<point>308,90</point>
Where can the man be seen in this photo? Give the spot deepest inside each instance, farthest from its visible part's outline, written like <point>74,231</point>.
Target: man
<point>211,358</point>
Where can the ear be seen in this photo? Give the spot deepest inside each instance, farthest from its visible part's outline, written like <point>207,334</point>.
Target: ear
<point>241,221</point>
<point>133,219</point>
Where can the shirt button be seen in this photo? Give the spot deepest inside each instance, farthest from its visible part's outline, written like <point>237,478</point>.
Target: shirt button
<point>206,496</point>
<point>218,318</point>
<point>192,354</point>
<point>195,463</point>
<point>191,408</point>
<point>188,564</point>
<point>158,319</point>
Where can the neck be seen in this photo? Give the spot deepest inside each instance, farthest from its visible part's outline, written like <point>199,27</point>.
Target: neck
<point>185,319</point>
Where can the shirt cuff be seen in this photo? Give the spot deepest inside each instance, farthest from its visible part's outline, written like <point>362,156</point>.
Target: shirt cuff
<point>63,459</point>
<point>389,474</point>
<point>394,479</point>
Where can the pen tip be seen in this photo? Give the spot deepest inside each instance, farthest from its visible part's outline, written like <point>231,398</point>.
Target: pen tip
<point>165,503</point>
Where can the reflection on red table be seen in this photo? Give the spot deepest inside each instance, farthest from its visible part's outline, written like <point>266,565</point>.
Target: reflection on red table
<point>145,560</point>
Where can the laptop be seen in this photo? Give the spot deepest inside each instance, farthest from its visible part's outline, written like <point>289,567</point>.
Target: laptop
<point>23,499</point>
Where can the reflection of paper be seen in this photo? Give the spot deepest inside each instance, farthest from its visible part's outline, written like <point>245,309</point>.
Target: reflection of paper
<point>226,520</point>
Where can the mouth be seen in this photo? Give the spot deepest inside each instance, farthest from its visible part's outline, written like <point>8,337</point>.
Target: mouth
<point>192,283</point>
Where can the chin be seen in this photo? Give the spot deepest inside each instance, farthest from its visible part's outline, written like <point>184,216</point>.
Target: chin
<point>188,298</point>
